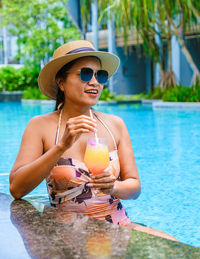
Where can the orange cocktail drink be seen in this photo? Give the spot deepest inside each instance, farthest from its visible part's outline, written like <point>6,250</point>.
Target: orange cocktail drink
<point>96,155</point>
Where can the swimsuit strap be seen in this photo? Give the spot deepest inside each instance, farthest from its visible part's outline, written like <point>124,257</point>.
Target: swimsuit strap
<point>58,127</point>
<point>104,124</point>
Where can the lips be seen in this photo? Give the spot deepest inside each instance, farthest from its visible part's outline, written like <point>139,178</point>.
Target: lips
<point>92,91</point>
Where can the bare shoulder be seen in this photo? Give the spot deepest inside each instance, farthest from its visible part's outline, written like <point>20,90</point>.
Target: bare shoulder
<point>42,120</point>
<point>41,124</point>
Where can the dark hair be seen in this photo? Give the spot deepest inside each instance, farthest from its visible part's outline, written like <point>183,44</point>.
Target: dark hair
<point>62,75</point>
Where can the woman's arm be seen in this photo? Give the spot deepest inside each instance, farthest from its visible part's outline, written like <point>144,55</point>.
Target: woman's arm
<point>32,166</point>
<point>129,185</point>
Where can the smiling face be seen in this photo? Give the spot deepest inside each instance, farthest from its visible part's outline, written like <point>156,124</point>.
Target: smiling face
<point>75,90</point>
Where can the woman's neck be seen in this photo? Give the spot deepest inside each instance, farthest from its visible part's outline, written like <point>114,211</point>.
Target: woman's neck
<point>73,111</point>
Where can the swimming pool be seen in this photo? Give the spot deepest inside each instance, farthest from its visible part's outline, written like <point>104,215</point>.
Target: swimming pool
<point>166,147</point>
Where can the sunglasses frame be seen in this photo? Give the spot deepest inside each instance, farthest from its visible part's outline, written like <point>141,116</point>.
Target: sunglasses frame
<point>94,73</point>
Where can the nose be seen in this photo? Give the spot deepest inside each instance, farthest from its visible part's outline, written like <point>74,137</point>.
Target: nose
<point>93,81</point>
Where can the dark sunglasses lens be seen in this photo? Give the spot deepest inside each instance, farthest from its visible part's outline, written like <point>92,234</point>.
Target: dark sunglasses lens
<point>86,74</point>
<point>102,76</point>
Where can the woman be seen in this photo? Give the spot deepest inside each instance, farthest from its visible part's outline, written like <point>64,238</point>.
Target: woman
<point>53,145</point>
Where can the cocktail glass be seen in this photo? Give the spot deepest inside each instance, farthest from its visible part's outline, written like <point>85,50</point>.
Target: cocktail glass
<point>96,155</point>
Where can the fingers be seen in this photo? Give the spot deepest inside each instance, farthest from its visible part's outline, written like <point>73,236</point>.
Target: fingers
<point>80,122</point>
<point>104,180</point>
<point>104,174</point>
<point>101,185</point>
<point>106,188</point>
<point>72,128</point>
<point>107,179</point>
<point>79,131</point>
<point>76,126</point>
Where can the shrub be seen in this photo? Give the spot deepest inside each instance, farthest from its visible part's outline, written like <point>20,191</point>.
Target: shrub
<point>177,94</point>
<point>34,93</point>
<point>28,77</point>
<point>9,78</point>
<point>12,79</point>
<point>106,95</point>
<point>155,94</point>
<point>130,97</point>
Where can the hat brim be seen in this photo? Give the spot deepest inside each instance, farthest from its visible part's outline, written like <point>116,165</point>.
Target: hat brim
<point>46,80</point>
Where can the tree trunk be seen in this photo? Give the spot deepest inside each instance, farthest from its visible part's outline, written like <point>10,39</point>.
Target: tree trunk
<point>187,54</point>
<point>169,53</point>
<point>168,77</point>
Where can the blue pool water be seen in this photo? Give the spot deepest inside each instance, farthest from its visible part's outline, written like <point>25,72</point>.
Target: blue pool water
<point>166,146</point>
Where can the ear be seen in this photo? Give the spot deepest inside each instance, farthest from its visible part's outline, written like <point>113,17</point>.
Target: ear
<point>60,84</point>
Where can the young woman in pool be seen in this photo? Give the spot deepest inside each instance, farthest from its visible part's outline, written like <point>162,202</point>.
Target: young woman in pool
<point>53,145</point>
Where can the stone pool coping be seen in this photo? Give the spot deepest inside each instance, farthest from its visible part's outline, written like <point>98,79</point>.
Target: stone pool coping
<point>156,104</point>
<point>7,96</point>
<point>99,102</point>
<point>28,233</point>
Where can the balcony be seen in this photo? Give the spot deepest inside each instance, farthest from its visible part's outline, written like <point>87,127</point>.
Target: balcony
<point>190,32</point>
<point>103,39</point>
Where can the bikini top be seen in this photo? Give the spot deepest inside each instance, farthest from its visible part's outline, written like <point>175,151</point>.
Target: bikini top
<point>68,178</point>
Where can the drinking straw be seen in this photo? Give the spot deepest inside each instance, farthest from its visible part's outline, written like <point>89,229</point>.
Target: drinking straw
<point>95,134</point>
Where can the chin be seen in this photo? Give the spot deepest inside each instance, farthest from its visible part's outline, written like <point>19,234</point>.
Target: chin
<point>92,102</point>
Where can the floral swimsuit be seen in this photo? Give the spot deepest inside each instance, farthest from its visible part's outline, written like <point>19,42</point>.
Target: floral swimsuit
<point>71,193</point>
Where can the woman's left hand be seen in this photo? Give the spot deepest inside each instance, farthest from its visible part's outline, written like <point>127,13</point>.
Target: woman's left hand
<point>104,181</point>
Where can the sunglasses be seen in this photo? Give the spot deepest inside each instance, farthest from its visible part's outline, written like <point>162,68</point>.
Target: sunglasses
<point>86,74</point>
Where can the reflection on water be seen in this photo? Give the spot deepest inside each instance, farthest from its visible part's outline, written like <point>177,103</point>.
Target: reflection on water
<point>99,244</point>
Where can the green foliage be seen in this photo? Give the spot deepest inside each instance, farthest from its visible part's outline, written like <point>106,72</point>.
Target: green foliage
<point>131,15</point>
<point>34,93</point>
<point>12,79</point>
<point>106,95</point>
<point>131,97</point>
<point>152,22</point>
<point>40,27</point>
<point>85,12</point>
<point>28,76</point>
<point>177,94</point>
<point>9,78</point>
<point>22,79</point>
<point>155,94</point>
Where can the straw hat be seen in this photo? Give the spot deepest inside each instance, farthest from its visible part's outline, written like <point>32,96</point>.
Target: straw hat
<point>66,53</point>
